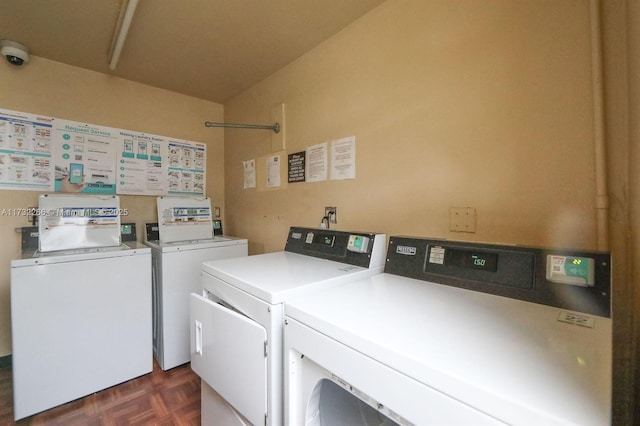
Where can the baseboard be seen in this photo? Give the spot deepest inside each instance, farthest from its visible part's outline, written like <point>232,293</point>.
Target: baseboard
<point>5,361</point>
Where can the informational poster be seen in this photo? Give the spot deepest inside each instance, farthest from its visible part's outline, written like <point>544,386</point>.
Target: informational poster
<point>273,171</point>
<point>52,154</point>
<point>142,164</point>
<point>343,158</point>
<point>186,172</point>
<point>316,163</point>
<point>249,167</point>
<point>84,157</point>
<point>26,152</point>
<point>296,167</point>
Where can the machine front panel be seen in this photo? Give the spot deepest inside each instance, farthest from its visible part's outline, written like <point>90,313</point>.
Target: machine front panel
<point>228,351</point>
<point>354,248</point>
<point>568,279</point>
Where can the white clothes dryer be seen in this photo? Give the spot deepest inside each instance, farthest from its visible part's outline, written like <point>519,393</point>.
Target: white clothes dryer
<point>237,321</point>
<point>455,333</point>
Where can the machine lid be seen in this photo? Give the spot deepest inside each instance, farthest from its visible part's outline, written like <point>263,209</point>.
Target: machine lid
<point>519,361</point>
<point>274,277</point>
<point>195,244</point>
<point>31,257</point>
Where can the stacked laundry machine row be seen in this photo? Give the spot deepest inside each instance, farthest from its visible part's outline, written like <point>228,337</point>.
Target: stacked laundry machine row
<point>331,331</point>
<point>86,293</point>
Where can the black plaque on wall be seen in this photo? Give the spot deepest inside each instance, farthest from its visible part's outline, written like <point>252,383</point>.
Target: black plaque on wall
<point>296,167</point>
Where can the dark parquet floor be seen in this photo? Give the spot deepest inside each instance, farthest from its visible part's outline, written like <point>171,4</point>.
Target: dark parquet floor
<point>163,398</point>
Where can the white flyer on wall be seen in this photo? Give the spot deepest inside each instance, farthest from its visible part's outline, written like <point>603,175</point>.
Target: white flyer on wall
<point>187,165</point>
<point>25,151</point>
<point>142,164</point>
<point>343,158</point>
<point>84,157</point>
<point>316,163</point>
<point>273,171</point>
<point>249,167</point>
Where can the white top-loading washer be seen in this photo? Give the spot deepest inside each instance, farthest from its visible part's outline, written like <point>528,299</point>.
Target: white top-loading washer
<point>526,340</point>
<point>81,322</point>
<point>176,269</point>
<point>237,322</point>
<point>185,240</point>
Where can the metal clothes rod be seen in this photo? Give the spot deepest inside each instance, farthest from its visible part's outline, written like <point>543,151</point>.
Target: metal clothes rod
<point>275,127</point>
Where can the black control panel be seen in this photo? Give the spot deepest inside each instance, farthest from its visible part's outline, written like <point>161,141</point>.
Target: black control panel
<point>567,279</point>
<point>29,238</point>
<point>152,231</point>
<point>354,248</point>
<point>128,232</point>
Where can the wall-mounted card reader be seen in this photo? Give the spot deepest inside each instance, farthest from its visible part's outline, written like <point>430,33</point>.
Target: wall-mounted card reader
<point>358,243</point>
<point>571,270</point>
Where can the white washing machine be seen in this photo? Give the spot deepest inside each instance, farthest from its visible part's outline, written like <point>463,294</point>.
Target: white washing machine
<point>176,270</point>
<point>458,334</point>
<point>237,319</point>
<point>185,240</point>
<point>80,316</point>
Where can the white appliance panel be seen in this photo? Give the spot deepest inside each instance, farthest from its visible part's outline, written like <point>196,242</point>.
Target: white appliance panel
<point>184,218</point>
<point>271,317</point>
<point>78,221</point>
<point>185,245</point>
<point>274,277</point>
<point>396,396</point>
<point>218,335</point>
<point>496,354</point>
<point>216,411</point>
<point>78,327</point>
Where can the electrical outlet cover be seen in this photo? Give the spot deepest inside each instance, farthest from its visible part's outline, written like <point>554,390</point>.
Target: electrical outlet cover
<point>334,217</point>
<point>462,219</point>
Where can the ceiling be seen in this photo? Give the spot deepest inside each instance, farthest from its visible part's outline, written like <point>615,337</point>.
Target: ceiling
<point>210,49</point>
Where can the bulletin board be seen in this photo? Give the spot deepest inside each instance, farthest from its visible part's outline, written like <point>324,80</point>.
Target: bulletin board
<point>51,154</point>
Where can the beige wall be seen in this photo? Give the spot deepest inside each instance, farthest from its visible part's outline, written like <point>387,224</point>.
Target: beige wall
<point>485,104</point>
<point>58,90</point>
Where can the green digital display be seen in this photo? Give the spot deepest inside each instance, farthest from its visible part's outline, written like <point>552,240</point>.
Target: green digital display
<point>472,259</point>
<point>577,267</point>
